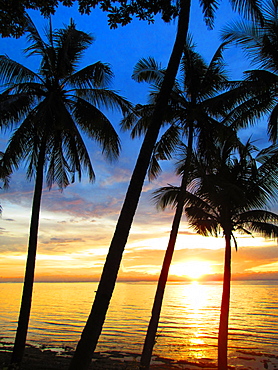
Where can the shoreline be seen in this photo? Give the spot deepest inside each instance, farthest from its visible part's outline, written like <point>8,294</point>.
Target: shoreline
<point>45,359</point>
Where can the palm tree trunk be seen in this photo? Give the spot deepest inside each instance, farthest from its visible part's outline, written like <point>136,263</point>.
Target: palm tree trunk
<point>92,330</point>
<point>225,304</point>
<point>157,305</point>
<point>26,301</point>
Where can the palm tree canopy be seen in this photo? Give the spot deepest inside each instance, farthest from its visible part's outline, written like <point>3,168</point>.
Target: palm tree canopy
<point>201,97</point>
<point>232,195</point>
<point>260,43</point>
<point>56,104</point>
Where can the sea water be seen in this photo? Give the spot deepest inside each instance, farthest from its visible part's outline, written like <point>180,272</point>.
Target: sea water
<point>188,323</point>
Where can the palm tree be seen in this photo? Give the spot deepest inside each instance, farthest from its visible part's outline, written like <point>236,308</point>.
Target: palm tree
<point>259,42</point>
<point>196,102</point>
<point>92,330</point>
<point>50,108</point>
<point>229,194</point>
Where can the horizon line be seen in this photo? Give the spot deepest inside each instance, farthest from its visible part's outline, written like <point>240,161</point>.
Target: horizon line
<point>200,280</point>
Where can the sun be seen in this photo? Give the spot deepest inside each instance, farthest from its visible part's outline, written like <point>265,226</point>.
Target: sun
<point>193,269</point>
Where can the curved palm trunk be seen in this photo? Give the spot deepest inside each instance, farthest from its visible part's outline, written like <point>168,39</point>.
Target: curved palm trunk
<point>26,301</point>
<point>92,330</point>
<point>157,305</point>
<point>225,304</point>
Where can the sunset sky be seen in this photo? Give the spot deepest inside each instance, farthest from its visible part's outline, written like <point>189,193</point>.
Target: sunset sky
<point>77,224</point>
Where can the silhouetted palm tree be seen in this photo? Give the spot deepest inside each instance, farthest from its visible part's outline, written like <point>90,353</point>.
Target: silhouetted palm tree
<point>51,107</point>
<point>92,330</point>
<point>195,104</point>
<point>229,194</point>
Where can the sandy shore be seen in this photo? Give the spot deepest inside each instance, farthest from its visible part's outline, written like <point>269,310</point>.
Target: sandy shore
<point>44,359</point>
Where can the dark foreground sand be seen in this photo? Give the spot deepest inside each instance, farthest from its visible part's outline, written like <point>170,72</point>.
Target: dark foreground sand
<point>37,359</point>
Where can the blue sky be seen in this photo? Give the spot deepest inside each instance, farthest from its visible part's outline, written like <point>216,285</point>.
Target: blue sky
<point>76,225</point>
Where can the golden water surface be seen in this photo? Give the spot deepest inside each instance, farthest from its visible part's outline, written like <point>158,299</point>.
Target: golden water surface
<point>188,325</point>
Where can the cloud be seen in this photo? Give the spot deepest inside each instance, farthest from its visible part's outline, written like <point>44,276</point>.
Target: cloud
<point>2,230</point>
<point>85,204</point>
<point>116,177</point>
<point>165,178</point>
<point>249,259</point>
<point>60,241</point>
<point>268,267</point>
<point>187,232</point>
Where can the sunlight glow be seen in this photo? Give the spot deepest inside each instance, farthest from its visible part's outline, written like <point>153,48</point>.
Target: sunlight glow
<point>193,269</point>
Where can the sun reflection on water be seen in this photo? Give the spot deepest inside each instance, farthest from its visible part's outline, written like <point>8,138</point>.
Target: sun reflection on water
<point>188,324</point>
<point>197,297</point>
<point>194,312</point>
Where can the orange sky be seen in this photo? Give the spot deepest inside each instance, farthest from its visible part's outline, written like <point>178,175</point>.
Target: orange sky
<point>75,232</point>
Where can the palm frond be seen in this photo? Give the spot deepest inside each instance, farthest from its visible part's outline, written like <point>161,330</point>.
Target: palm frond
<point>70,45</point>
<point>38,46</point>
<point>67,153</point>
<point>166,196</point>
<point>97,75</point>
<point>22,143</point>
<point>215,77</point>
<point>5,172</point>
<point>259,42</point>
<point>58,168</point>
<point>130,119</point>
<point>13,108</point>
<point>168,143</point>
<point>12,73</point>
<point>148,70</point>
<point>105,98</point>
<point>201,221</point>
<point>209,7</point>
<point>94,123</point>
<point>249,111</point>
<point>154,168</point>
<point>235,241</point>
<point>163,150</point>
<point>272,128</point>
<point>138,120</point>
<point>257,215</point>
<point>250,9</point>
<point>267,157</point>
<point>267,230</point>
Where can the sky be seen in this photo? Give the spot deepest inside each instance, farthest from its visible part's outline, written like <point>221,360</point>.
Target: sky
<point>76,225</point>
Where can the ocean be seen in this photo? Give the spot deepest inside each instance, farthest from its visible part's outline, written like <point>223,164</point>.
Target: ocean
<point>188,324</point>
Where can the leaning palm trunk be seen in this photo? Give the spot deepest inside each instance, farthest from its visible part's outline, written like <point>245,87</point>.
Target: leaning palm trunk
<point>157,305</point>
<point>92,330</point>
<point>26,301</point>
<point>224,315</point>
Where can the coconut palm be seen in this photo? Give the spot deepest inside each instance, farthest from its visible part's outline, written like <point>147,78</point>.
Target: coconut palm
<point>50,109</point>
<point>259,42</point>
<point>93,327</point>
<point>195,104</point>
<point>229,194</point>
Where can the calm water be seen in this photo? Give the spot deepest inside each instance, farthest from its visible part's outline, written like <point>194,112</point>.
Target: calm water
<point>188,325</point>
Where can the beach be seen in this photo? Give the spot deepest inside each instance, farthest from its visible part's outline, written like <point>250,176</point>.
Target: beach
<point>46,359</point>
